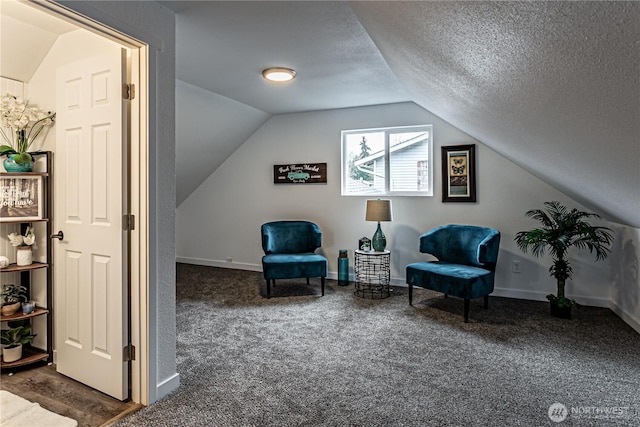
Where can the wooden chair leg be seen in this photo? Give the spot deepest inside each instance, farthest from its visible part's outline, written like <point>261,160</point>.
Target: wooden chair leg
<point>322,281</point>
<point>307,280</point>
<point>410,294</point>
<point>268,288</point>
<point>466,311</point>
<point>486,301</point>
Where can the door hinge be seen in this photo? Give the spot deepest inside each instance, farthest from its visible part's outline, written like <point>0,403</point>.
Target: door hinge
<point>128,91</point>
<point>128,353</point>
<point>128,222</point>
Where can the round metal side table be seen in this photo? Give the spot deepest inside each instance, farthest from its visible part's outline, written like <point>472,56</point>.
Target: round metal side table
<point>372,274</point>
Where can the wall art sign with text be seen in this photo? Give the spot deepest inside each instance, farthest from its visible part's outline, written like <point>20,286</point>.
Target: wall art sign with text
<point>459,173</point>
<point>20,198</point>
<point>303,173</point>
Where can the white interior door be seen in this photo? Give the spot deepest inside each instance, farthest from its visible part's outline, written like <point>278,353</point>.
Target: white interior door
<point>90,286</point>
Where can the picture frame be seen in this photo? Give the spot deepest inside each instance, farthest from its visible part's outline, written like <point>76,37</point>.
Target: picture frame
<point>21,198</point>
<point>459,173</point>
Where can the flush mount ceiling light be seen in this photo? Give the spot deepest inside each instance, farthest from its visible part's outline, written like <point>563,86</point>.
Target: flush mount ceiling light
<point>279,74</point>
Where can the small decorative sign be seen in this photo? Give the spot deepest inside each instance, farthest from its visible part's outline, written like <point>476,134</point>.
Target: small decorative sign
<point>20,198</point>
<point>364,244</point>
<point>304,173</point>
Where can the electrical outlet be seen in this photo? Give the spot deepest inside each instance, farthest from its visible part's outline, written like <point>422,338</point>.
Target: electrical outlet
<point>515,267</point>
<point>229,259</point>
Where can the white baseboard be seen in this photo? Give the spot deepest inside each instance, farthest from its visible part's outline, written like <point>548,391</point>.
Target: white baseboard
<point>626,317</point>
<point>167,386</point>
<point>400,281</point>
<point>221,264</point>
<point>542,296</point>
<point>519,294</point>
<point>333,275</point>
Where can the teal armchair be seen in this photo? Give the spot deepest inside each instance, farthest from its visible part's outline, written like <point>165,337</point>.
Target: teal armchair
<point>289,248</point>
<point>467,257</point>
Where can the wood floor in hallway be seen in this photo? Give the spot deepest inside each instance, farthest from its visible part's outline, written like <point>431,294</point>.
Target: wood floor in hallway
<point>64,396</point>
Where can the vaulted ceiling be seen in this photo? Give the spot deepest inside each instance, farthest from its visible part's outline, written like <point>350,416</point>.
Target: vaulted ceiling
<point>553,86</point>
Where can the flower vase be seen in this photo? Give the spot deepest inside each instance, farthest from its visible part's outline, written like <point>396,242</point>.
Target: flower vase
<point>24,256</point>
<point>379,241</point>
<point>11,166</point>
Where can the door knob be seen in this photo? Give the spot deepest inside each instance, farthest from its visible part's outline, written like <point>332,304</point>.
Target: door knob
<point>59,235</point>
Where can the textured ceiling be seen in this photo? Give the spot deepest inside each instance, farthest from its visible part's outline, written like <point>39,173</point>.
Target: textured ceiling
<point>553,86</point>
<point>224,46</point>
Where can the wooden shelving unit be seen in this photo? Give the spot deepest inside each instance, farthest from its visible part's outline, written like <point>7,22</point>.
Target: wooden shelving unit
<point>31,354</point>
<point>13,268</point>
<point>19,316</point>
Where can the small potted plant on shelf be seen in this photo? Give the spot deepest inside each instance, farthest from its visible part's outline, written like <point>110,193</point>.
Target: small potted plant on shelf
<point>12,340</point>
<point>23,245</point>
<point>12,296</point>
<point>560,230</point>
<point>20,127</point>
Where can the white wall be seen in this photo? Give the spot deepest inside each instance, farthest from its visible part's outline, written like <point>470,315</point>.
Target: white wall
<point>625,292</point>
<point>209,127</point>
<point>15,88</point>
<point>68,47</point>
<point>221,219</point>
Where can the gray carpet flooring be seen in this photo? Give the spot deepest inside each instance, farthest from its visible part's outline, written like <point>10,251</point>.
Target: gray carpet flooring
<point>299,359</point>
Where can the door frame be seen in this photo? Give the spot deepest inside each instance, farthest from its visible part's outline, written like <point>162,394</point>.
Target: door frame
<point>138,193</point>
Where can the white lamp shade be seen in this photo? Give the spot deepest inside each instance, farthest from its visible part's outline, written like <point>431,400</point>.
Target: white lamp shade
<point>378,210</point>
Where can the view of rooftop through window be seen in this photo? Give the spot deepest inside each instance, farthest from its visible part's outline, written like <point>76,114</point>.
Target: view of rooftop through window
<point>387,161</point>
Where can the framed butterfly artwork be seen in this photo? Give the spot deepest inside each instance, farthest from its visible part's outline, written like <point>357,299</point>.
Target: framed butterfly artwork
<point>459,173</point>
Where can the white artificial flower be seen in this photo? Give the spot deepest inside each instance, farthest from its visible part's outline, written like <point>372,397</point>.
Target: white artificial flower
<point>16,239</point>
<point>29,237</point>
<point>16,115</point>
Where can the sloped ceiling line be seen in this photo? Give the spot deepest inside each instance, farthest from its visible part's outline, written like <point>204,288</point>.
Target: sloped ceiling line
<point>553,86</point>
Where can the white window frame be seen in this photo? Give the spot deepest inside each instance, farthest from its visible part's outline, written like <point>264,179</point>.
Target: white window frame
<point>344,168</point>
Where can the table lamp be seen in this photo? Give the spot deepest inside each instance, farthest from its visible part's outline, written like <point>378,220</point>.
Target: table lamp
<point>378,210</point>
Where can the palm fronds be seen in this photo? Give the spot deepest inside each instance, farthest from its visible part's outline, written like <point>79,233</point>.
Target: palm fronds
<point>560,230</point>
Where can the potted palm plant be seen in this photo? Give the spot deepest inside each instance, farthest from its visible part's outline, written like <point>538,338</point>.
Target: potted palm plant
<point>560,230</point>
<point>12,340</point>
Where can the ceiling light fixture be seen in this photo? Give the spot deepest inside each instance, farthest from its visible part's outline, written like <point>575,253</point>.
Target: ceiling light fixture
<point>279,74</point>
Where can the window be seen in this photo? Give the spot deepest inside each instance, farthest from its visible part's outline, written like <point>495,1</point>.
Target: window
<point>388,161</point>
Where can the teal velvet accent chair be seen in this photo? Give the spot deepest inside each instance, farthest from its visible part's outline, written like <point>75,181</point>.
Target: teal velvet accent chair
<point>289,248</point>
<point>466,263</point>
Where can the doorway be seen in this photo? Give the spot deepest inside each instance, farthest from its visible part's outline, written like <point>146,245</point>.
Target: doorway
<point>136,286</point>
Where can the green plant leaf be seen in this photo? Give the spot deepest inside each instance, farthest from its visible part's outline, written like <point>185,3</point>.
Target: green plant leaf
<point>17,335</point>
<point>560,230</point>
<point>22,158</point>
<point>6,150</point>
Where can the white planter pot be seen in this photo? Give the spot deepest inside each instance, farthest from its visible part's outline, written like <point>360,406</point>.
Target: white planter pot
<point>12,354</point>
<point>24,256</point>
